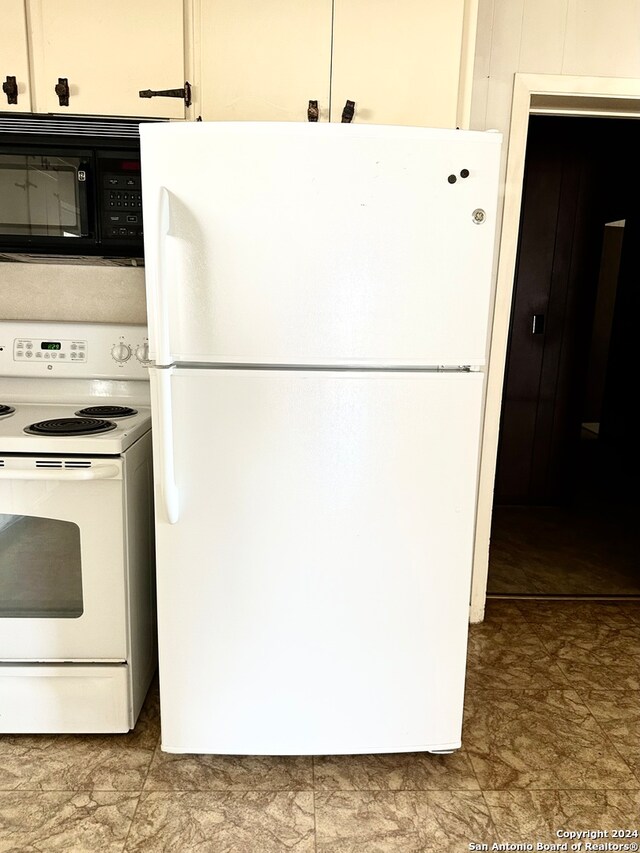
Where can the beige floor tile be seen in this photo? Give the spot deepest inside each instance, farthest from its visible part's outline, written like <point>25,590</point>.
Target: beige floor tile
<point>631,609</point>
<point>509,655</point>
<point>408,771</point>
<point>171,772</point>
<point>69,822</point>
<point>539,739</point>
<point>619,676</point>
<point>400,822</point>
<point>619,716</point>
<point>536,816</point>
<point>584,642</point>
<point>594,655</point>
<point>255,822</point>
<point>72,763</point>
<point>117,762</point>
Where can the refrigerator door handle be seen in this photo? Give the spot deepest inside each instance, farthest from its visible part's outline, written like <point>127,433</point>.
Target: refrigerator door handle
<point>165,271</point>
<point>163,429</point>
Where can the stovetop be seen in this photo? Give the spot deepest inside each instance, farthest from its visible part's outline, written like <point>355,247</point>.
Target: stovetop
<point>74,372</point>
<point>114,440</point>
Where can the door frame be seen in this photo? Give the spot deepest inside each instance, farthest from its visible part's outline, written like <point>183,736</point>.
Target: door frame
<point>533,94</point>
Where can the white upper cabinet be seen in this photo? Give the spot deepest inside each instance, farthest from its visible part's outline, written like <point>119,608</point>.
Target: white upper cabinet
<point>264,61</point>
<point>14,58</point>
<point>399,62</point>
<point>107,52</point>
<point>248,61</point>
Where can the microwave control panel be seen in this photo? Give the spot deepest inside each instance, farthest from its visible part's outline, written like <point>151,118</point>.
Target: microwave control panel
<point>120,201</point>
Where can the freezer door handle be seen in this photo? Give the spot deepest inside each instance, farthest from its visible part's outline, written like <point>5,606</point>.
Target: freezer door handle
<point>166,266</point>
<point>163,435</point>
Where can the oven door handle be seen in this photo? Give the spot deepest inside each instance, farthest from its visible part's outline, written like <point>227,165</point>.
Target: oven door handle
<point>96,472</point>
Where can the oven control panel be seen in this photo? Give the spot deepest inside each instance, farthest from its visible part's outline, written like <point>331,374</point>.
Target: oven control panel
<point>73,350</point>
<point>89,350</point>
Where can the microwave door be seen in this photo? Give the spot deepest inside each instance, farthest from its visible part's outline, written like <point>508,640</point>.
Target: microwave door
<point>47,200</point>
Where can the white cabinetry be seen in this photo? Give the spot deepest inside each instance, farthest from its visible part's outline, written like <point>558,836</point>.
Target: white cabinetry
<point>108,52</point>
<point>400,63</point>
<point>264,61</point>
<point>104,52</point>
<point>253,61</point>
<point>14,57</point>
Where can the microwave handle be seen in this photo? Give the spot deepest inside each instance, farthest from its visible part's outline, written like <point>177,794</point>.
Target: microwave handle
<point>97,472</point>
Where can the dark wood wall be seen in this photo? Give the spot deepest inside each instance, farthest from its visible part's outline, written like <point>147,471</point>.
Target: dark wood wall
<point>579,175</point>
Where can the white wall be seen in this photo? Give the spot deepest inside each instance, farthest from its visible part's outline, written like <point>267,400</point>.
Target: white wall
<point>591,38</point>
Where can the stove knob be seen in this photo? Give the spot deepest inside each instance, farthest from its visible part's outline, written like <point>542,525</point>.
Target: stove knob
<point>142,353</point>
<point>121,352</point>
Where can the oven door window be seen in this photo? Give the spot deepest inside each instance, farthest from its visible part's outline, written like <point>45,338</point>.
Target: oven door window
<point>43,195</point>
<point>40,568</point>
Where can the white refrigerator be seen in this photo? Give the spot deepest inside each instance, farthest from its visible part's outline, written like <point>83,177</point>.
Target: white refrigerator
<point>318,301</point>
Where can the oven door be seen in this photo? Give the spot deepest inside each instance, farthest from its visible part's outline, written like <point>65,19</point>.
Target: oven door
<point>62,563</point>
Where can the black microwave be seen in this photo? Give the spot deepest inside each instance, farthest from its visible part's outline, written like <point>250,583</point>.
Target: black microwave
<point>70,186</point>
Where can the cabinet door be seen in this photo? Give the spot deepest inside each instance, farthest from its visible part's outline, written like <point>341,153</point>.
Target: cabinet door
<point>14,60</point>
<point>108,52</point>
<point>399,62</point>
<point>264,61</point>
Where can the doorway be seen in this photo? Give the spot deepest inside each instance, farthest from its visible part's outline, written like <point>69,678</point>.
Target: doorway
<point>565,503</point>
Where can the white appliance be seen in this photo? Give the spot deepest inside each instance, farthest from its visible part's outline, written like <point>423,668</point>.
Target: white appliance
<point>319,303</point>
<point>77,603</point>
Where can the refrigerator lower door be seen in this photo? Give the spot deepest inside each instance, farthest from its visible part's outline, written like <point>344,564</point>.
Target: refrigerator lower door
<point>314,592</point>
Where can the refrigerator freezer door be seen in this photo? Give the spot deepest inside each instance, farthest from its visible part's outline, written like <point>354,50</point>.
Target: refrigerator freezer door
<point>314,594</point>
<point>318,244</point>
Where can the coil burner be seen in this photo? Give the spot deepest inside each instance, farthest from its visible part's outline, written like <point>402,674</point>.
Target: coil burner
<point>107,412</point>
<point>70,426</point>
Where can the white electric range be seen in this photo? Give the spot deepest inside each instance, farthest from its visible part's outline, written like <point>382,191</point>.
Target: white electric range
<point>77,604</point>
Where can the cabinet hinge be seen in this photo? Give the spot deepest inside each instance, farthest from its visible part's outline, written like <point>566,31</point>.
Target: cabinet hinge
<point>184,93</point>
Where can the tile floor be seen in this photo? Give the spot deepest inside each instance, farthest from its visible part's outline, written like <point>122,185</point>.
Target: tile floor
<point>551,741</point>
<point>573,550</point>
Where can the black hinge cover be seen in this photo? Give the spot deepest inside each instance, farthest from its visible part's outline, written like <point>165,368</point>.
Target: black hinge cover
<point>10,88</point>
<point>348,111</point>
<point>62,91</point>
<point>313,111</point>
<point>185,93</point>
